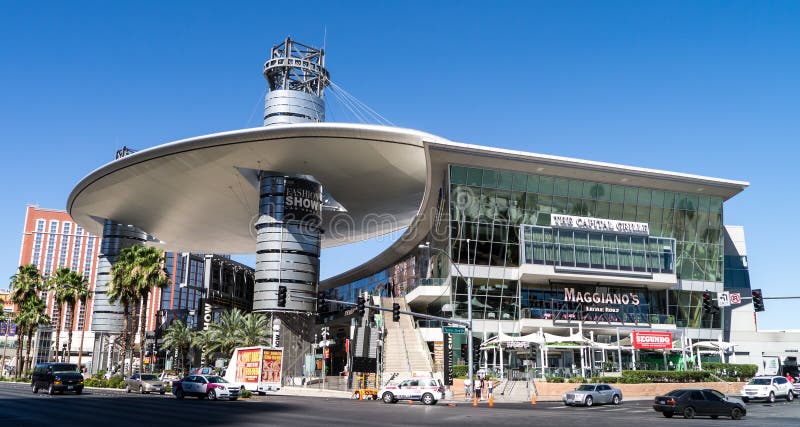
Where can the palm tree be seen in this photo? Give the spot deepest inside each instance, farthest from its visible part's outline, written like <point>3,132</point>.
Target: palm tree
<point>178,337</point>
<point>204,340</point>
<point>6,318</point>
<point>63,298</point>
<point>227,332</point>
<point>148,273</point>
<point>25,286</point>
<point>79,287</point>
<point>255,330</point>
<point>83,294</point>
<point>31,315</point>
<point>122,288</point>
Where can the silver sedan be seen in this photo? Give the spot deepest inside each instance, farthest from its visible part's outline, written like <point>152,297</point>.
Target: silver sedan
<point>145,383</point>
<point>591,394</point>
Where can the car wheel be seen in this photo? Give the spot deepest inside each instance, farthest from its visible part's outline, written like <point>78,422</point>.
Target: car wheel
<point>589,401</point>
<point>34,388</point>
<point>262,393</point>
<point>51,390</point>
<point>746,399</point>
<point>736,414</point>
<point>668,414</point>
<point>714,417</point>
<point>790,396</point>
<point>162,393</point>
<point>78,390</point>
<point>427,399</point>
<point>212,394</point>
<point>179,393</point>
<point>688,413</point>
<point>388,397</point>
<point>233,398</point>
<point>127,389</point>
<point>615,400</point>
<point>771,398</point>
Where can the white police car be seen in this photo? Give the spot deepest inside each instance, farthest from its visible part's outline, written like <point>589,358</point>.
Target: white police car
<point>426,390</point>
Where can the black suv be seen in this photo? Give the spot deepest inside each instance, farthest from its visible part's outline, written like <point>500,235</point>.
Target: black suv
<point>56,377</point>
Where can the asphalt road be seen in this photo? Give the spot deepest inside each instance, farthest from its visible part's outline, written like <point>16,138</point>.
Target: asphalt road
<point>19,407</point>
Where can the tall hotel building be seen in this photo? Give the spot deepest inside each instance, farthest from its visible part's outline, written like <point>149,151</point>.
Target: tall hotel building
<point>51,239</point>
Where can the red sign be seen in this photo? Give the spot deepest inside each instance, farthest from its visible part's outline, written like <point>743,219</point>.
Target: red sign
<point>327,352</point>
<point>736,298</point>
<point>651,340</point>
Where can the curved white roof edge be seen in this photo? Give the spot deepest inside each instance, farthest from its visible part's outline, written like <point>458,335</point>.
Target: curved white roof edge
<point>605,166</point>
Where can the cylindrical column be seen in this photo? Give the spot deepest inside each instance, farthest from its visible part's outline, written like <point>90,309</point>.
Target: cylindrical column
<point>107,317</point>
<point>287,242</point>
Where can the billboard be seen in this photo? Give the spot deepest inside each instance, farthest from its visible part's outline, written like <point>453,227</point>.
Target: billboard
<point>271,368</point>
<point>651,340</point>
<point>247,365</point>
<point>8,328</point>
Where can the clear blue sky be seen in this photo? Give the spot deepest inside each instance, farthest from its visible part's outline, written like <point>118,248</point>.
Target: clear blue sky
<point>708,88</point>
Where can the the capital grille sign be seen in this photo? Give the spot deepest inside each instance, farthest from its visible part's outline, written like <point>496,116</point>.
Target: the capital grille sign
<point>585,223</point>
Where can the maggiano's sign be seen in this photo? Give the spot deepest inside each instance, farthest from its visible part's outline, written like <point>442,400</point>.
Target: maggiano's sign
<point>599,224</point>
<point>628,298</point>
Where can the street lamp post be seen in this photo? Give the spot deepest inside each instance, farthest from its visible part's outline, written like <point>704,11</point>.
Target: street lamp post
<point>469,313</point>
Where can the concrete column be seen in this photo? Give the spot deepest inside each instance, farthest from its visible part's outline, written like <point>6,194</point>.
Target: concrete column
<point>107,317</point>
<point>287,242</point>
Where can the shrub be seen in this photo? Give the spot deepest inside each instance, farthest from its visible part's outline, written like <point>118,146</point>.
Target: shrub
<point>731,371</point>
<point>638,377</point>
<point>459,371</point>
<point>116,382</point>
<point>607,380</point>
<point>554,379</point>
<point>246,394</point>
<point>577,379</point>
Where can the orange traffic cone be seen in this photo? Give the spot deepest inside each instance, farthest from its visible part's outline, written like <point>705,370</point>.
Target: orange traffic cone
<point>360,396</point>
<point>491,401</point>
<point>474,400</point>
<point>533,399</point>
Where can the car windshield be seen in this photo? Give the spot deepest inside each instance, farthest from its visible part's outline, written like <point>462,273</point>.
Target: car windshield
<point>65,369</point>
<point>148,377</point>
<point>216,379</point>
<point>585,387</point>
<point>760,381</point>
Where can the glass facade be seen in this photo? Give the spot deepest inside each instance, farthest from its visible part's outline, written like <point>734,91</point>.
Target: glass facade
<point>501,219</point>
<point>488,206</point>
<point>599,251</point>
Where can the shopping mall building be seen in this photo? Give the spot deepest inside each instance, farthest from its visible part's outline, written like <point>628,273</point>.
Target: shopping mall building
<point>567,258</point>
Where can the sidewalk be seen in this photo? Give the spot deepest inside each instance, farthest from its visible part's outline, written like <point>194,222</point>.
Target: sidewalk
<point>313,392</point>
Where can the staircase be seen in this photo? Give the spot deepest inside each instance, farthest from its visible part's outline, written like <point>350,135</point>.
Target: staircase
<point>512,391</point>
<point>404,352</point>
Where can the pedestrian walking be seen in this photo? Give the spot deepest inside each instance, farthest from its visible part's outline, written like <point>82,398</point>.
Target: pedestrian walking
<point>467,389</point>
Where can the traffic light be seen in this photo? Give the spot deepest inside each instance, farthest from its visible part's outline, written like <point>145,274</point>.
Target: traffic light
<point>281,296</point>
<point>758,300</point>
<point>361,303</point>
<point>396,312</point>
<point>320,301</point>
<point>476,353</point>
<point>707,306</point>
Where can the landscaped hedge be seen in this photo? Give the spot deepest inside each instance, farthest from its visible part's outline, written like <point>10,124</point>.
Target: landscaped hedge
<point>607,380</point>
<point>731,371</point>
<point>554,379</point>
<point>459,371</point>
<point>576,380</point>
<point>637,377</point>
